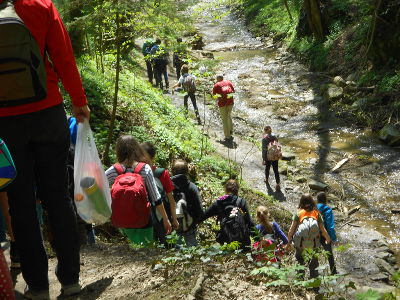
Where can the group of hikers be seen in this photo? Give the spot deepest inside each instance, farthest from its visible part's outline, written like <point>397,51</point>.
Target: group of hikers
<point>157,58</point>
<point>40,138</point>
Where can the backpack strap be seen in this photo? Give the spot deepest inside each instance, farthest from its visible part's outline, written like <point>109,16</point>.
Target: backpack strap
<point>139,167</point>
<point>119,168</point>
<point>158,172</point>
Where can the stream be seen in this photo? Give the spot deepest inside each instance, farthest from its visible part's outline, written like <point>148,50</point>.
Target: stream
<point>273,88</point>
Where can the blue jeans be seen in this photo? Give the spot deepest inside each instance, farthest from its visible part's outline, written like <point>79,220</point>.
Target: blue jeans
<point>189,237</point>
<point>39,144</point>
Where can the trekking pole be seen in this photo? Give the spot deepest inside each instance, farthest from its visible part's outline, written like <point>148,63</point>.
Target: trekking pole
<point>204,124</point>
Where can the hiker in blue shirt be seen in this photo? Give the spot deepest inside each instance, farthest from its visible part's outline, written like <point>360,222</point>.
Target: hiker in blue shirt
<point>329,223</point>
<point>146,48</point>
<point>160,61</point>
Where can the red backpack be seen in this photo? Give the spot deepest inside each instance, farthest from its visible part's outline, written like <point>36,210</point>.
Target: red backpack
<point>130,207</point>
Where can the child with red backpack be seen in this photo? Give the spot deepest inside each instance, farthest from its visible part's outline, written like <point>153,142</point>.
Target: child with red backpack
<point>271,153</point>
<point>134,192</point>
<point>306,230</point>
<point>271,236</point>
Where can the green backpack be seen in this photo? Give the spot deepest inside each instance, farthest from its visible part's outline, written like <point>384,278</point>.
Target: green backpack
<point>7,167</point>
<point>22,71</point>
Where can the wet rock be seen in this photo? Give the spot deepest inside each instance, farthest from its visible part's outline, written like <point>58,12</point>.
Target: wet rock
<point>333,92</point>
<point>395,210</point>
<point>384,249</point>
<point>301,179</point>
<point>390,134</point>
<point>316,185</point>
<point>207,54</point>
<point>339,81</point>
<point>352,77</point>
<point>383,255</point>
<point>360,103</point>
<point>380,277</point>
<point>384,266</point>
<point>288,156</point>
<point>283,118</point>
<point>351,83</point>
<point>333,198</point>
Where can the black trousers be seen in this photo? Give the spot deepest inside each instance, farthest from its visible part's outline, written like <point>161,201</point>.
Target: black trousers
<point>149,67</point>
<point>160,70</point>
<point>39,145</point>
<point>312,264</point>
<point>331,259</point>
<point>193,99</point>
<point>274,164</point>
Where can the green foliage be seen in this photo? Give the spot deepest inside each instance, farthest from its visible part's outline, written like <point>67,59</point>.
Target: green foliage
<point>369,295</point>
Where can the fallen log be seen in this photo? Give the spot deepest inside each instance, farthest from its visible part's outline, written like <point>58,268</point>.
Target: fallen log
<point>194,294</point>
<point>339,164</point>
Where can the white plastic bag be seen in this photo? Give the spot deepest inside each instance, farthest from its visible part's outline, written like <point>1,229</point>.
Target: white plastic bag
<point>92,194</point>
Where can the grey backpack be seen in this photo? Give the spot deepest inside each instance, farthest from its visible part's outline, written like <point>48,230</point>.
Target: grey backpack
<point>22,71</point>
<point>189,84</point>
<point>307,234</point>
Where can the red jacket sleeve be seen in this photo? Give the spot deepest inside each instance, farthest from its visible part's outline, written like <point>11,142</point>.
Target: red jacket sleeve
<point>61,54</point>
<point>167,182</point>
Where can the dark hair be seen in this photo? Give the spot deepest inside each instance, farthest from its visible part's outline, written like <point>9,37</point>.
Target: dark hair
<point>220,77</point>
<point>232,187</point>
<point>307,202</point>
<point>185,69</point>
<point>158,41</point>
<point>179,40</point>
<point>267,128</point>
<point>180,167</point>
<point>128,151</point>
<point>150,149</point>
<point>321,198</point>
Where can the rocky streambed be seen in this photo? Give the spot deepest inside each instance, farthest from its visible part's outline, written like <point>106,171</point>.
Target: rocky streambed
<point>360,174</point>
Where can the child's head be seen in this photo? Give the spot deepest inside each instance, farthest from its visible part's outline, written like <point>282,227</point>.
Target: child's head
<point>321,198</point>
<point>150,149</point>
<point>158,41</point>
<point>180,167</point>
<point>267,129</point>
<point>307,202</point>
<point>263,214</point>
<point>232,187</point>
<point>128,151</point>
<point>185,69</point>
<point>219,77</point>
<point>179,40</point>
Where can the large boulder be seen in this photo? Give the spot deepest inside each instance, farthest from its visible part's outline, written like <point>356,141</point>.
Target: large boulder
<point>316,185</point>
<point>390,134</point>
<point>339,81</point>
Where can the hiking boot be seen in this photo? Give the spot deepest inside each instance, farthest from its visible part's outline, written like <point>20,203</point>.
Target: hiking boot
<point>71,289</point>
<point>36,295</point>
<point>278,187</point>
<point>198,120</point>
<point>14,256</point>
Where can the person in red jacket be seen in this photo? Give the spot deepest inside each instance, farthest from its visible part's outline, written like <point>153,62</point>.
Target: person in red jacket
<point>223,89</point>
<point>38,137</point>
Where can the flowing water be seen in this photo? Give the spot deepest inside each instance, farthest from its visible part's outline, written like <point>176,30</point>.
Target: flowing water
<point>272,88</point>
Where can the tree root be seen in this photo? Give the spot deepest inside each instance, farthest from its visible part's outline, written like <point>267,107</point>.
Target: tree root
<point>194,294</point>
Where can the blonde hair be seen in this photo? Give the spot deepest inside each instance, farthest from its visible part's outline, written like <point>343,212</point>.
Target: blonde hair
<point>264,218</point>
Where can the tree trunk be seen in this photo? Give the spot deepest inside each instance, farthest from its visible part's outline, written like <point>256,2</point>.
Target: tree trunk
<point>106,156</point>
<point>384,38</point>
<point>288,10</point>
<point>314,18</point>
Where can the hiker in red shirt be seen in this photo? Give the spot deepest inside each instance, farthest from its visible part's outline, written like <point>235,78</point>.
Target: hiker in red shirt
<point>223,90</point>
<point>37,135</point>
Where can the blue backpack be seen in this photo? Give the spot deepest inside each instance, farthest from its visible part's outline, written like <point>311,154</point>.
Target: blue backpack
<point>7,167</point>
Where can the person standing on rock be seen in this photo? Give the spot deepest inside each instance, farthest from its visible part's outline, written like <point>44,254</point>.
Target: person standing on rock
<point>36,132</point>
<point>267,140</point>
<point>223,90</point>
